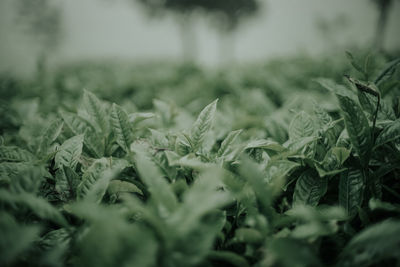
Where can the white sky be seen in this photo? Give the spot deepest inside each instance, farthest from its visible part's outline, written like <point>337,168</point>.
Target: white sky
<point>118,29</point>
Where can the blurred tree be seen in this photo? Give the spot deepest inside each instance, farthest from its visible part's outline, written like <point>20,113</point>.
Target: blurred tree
<point>331,28</point>
<point>383,9</point>
<point>41,19</point>
<point>226,15</point>
<point>183,11</point>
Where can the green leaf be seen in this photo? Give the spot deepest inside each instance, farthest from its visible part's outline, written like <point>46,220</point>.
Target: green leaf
<point>8,169</point>
<point>277,129</point>
<point>265,144</point>
<point>277,170</point>
<point>202,124</point>
<point>288,252</point>
<point>198,224</point>
<point>298,145</point>
<point>263,191</point>
<point>357,127</point>
<point>66,180</point>
<point>325,173</point>
<point>110,240</point>
<point>301,125</point>
<point>25,177</point>
<point>249,235</point>
<point>335,88</point>
<point>159,139</point>
<point>322,115</point>
<point>160,190</point>
<point>341,154</point>
<point>91,175</point>
<point>166,111</point>
<point>333,160</point>
<point>315,222</point>
<point>118,186</point>
<point>386,111</point>
<point>309,188</point>
<point>390,132</point>
<point>69,152</point>
<point>78,126</point>
<point>39,206</point>
<point>15,154</point>
<point>16,239</point>
<point>330,133</point>
<point>188,161</point>
<point>387,72</point>
<point>182,145</point>
<point>73,179</point>
<point>49,135</point>
<point>351,190</point>
<point>368,102</point>
<point>96,111</point>
<point>227,143</point>
<point>135,118</point>
<point>373,245</point>
<point>98,189</point>
<point>121,127</point>
<point>205,191</point>
<point>354,63</point>
<point>199,235</point>
<point>56,245</point>
<point>62,185</point>
<point>344,140</point>
<point>376,204</point>
<point>232,259</point>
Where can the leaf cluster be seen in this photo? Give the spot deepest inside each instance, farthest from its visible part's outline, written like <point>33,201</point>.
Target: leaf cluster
<point>235,182</point>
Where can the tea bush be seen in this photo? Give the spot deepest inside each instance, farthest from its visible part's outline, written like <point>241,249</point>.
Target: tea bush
<point>283,164</point>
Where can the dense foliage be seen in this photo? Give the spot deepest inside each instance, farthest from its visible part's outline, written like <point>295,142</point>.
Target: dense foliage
<point>283,164</point>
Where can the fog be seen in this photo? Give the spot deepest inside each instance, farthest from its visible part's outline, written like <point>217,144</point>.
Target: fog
<point>120,29</point>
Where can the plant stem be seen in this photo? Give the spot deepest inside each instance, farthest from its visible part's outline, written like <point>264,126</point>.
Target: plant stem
<point>375,117</point>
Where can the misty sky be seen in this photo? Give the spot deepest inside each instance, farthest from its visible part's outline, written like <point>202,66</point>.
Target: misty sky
<point>118,29</point>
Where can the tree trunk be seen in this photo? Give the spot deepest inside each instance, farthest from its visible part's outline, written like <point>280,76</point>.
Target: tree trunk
<point>188,38</point>
<point>41,67</point>
<point>384,6</point>
<point>226,47</point>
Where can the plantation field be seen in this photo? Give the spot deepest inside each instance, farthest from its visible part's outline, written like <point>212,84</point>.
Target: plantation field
<point>290,163</point>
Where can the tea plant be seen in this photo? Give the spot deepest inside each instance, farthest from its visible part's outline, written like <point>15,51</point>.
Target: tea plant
<point>256,183</point>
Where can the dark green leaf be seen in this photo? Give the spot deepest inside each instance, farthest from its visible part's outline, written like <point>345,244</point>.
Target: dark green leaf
<point>309,188</point>
<point>121,127</point>
<point>91,175</point>
<point>387,72</point>
<point>96,111</point>
<point>227,143</point>
<point>389,133</point>
<point>351,190</point>
<point>302,125</point>
<point>50,134</point>
<point>15,154</point>
<point>357,127</point>
<point>158,186</point>
<point>39,206</point>
<point>202,124</point>
<point>229,257</point>
<point>69,152</point>
<point>373,245</point>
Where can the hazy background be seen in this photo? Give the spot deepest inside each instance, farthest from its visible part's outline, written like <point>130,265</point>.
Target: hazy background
<point>120,29</point>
